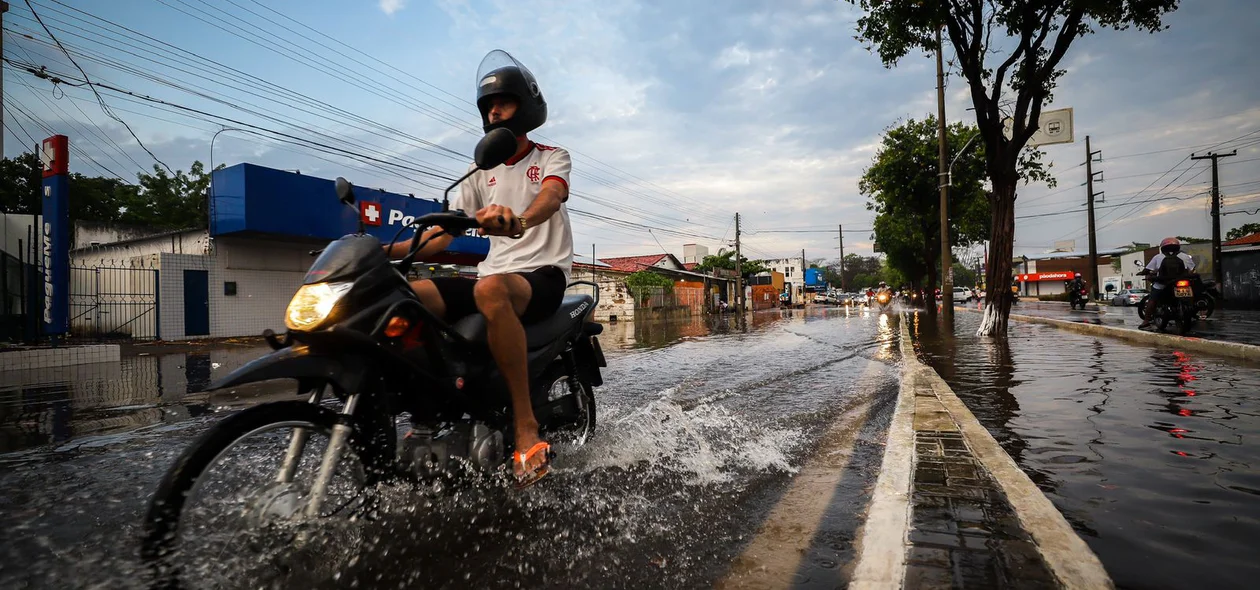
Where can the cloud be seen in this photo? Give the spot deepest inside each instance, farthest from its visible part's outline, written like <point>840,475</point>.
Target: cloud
<point>681,114</point>
<point>391,6</point>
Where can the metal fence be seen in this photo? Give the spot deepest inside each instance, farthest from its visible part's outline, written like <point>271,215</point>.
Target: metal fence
<point>116,302</point>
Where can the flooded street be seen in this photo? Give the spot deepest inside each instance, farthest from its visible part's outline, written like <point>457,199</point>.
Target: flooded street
<point>1231,325</point>
<point>1150,453</point>
<point>702,427</point>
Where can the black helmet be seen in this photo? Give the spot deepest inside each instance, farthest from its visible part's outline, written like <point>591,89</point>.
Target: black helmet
<point>500,73</point>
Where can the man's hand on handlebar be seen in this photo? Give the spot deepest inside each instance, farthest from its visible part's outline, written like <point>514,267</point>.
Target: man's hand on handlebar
<point>497,220</point>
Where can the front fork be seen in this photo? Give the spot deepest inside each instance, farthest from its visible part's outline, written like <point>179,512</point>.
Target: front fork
<point>332,455</point>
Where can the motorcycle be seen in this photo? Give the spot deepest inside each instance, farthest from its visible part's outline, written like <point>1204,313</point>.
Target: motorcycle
<point>883,300</point>
<point>1179,306</point>
<point>1078,297</point>
<point>359,334</point>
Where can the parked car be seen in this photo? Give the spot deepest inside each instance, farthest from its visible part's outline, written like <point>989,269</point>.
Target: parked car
<point>962,294</point>
<point>1127,297</point>
<point>820,298</point>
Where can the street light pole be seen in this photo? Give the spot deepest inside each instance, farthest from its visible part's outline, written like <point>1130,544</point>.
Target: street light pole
<point>212,138</point>
<point>947,275</point>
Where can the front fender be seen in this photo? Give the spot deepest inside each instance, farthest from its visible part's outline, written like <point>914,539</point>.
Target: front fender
<point>297,362</point>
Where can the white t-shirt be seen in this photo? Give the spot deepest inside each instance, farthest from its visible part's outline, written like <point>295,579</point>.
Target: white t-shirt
<point>515,185</point>
<point>1159,259</point>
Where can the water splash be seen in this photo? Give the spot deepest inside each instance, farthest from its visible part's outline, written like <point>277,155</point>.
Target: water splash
<point>703,442</point>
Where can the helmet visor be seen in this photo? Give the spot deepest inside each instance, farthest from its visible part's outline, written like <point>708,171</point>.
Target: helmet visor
<point>495,60</point>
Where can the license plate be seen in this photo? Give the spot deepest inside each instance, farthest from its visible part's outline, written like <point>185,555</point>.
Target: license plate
<point>1184,292</point>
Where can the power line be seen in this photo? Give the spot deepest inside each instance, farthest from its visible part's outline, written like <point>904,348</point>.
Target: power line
<point>578,172</point>
<point>104,107</point>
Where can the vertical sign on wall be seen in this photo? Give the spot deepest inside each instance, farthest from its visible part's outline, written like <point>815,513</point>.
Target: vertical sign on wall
<point>54,156</point>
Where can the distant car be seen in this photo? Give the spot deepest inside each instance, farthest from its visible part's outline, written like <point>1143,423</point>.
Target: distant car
<point>962,294</point>
<point>1128,297</point>
<point>820,298</point>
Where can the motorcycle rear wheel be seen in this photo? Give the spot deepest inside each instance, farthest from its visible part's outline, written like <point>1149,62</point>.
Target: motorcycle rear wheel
<point>1185,320</point>
<point>162,544</point>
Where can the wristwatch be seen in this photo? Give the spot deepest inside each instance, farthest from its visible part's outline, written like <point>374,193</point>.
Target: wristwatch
<point>524,225</point>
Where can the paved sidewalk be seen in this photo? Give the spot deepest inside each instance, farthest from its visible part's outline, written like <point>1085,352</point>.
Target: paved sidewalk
<point>968,517</point>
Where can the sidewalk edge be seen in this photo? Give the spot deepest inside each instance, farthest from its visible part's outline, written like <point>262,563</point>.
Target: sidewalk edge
<point>1069,558</point>
<point>881,559</point>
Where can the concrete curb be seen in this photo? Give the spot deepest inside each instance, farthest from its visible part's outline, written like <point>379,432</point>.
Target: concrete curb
<point>881,561</point>
<point>881,558</point>
<point>1236,350</point>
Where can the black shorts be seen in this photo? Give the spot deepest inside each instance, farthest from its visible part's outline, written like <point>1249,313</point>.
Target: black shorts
<point>547,286</point>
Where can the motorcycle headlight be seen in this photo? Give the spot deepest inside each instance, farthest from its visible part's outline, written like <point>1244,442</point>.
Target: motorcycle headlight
<point>312,304</point>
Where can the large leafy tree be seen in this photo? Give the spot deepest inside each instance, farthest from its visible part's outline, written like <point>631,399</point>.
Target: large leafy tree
<point>1245,229</point>
<point>901,186</point>
<point>20,178</point>
<point>856,265</point>
<point>726,260</point>
<point>159,200</point>
<point>1026,40</point>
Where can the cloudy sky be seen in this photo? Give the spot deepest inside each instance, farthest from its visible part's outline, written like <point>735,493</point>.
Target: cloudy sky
<point>678,114</point>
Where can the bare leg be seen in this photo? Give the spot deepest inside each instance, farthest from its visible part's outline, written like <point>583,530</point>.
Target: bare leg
<point>430,297</point>
<point>502,299</point>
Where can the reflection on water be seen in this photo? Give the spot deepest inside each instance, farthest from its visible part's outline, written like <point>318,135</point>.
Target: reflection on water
<point>54,405</point>
<point>1143,449</point>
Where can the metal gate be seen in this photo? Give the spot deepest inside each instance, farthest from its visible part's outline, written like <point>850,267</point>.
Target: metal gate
<point>117,302</point>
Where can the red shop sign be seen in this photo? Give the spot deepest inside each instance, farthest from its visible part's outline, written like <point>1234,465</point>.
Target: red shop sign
<point>1046,276</point>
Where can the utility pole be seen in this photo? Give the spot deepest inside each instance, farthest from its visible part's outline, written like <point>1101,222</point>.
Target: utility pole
<point>840,230</point>
<point>1093,239</point>
<point>4,7</point>
<point>803,269</point>
<point>1217,273</point>
<point>739,272</point>
<point>947,267</point>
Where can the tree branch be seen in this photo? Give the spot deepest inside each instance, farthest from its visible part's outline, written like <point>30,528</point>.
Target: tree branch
<point>1035,91</point>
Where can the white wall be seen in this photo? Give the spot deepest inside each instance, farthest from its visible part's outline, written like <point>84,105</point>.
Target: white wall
<point>192,242</point>
<point>267,273</point>
<point>13,228</point>
<point>104,234</point>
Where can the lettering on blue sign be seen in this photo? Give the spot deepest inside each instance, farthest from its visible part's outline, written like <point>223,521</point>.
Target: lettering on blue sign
<point>48,273</point>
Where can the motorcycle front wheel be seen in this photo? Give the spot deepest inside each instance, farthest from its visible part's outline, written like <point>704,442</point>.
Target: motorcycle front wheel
<point>250,527</point>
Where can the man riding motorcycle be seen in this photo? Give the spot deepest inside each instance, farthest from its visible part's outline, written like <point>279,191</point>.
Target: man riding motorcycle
<point>1074,287</point>
<point>1168,248</point>
<point>521,205</point>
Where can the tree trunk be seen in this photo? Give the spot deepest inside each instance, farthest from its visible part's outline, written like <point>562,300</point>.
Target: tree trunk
<point>997,275</point>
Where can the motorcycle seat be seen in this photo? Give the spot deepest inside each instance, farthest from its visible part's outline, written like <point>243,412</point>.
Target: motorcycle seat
<point>573,309</point>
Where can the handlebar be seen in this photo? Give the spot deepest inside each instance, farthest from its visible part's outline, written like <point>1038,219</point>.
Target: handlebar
<point>456,221</point>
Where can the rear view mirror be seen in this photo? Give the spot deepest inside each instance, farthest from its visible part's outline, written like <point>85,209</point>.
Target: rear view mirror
<point>1138,263</point>
<point>495,148</point>
<point>345,191</point>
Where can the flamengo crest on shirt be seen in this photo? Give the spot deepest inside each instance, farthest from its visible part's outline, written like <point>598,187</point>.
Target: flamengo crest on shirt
<point>534,174</point>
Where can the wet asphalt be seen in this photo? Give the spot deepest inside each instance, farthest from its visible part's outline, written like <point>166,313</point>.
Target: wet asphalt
<point>703,425</point>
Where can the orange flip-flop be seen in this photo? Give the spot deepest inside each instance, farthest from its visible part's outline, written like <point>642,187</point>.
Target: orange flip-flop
<point>529,478</point>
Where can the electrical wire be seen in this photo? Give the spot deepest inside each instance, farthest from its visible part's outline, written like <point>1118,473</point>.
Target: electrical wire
<point>104,107</point>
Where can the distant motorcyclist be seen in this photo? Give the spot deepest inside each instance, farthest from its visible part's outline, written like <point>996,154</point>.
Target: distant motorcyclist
<point>1169,265</point>
<point>1074,286</point>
